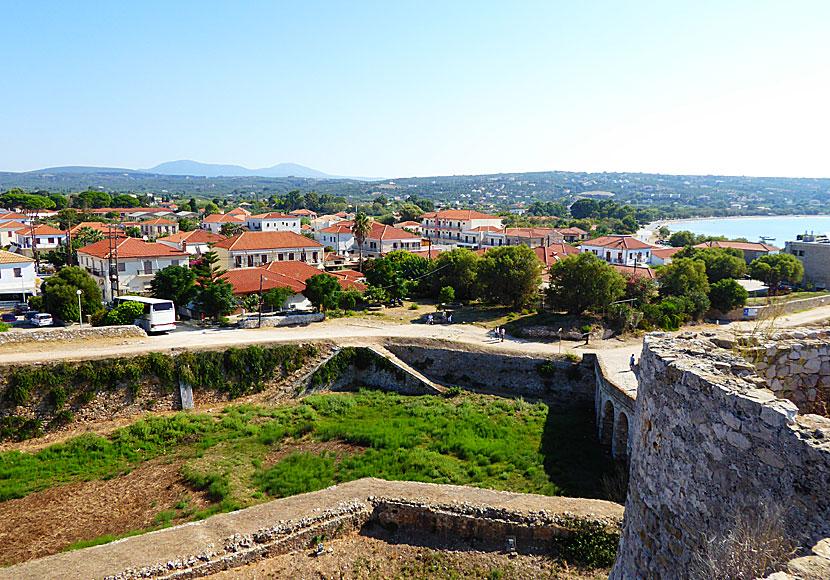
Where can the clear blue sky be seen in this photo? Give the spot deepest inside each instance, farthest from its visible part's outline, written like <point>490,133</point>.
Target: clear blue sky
<point>419,88</point>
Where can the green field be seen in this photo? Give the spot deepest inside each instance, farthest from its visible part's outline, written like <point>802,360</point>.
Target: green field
<point>468,440</point>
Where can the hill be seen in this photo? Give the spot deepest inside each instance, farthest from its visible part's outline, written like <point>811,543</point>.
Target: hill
<point>188,167</point>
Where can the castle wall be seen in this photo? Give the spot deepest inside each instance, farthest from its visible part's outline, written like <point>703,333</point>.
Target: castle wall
<point>710,445</point>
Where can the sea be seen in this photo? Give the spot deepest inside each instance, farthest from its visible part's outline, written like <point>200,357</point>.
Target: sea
<point>775,229</point>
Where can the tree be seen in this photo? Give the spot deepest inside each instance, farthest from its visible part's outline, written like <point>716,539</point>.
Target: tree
<point>323,290</point>
<point>176,283</point>
<point>230,230</point>
<point>639,289</point>
<point>59,200</point>
<point>124,200</point>
<point>410,212</point>
<point>186,225</point>
<point>726,295</point>
<point>274,298</point>
<point>60,298</point>
<point>194,206</point>
<point>456,268</point>
<point>92,199</point>
<point>382,273</point>
<point>124,314</point>
<point>510,275</point>
<point>214,296</point>
<point>361,229</point>
<point>133,231</point>
<point>446,295</point>
<point>681,239</point>
<point>85,236</point>
<point>583,282</point>
<point>683,276</point>
<point>773,269</point>
<point>211,208</point>
<point>584,208</point>
<point>721,263</point>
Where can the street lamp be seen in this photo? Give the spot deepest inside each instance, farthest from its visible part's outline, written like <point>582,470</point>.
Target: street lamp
<point>80,316</point>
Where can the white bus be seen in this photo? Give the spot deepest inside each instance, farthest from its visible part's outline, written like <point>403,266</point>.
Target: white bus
<point>159,315</point>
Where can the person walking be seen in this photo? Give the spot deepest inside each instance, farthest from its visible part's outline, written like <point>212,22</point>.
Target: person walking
<point>502,334</point>
<point>429,319</point>
<point>496,333</point>
<point>631,361</point>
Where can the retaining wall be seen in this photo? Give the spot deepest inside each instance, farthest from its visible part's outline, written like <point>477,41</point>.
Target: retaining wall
<point>615,407</point>
<point>780,308</point>
<point>60,334</point>
<point>273,321</point>
<point>710,447</point>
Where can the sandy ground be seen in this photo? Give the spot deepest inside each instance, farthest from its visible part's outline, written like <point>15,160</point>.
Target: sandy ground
<point>360,557</point>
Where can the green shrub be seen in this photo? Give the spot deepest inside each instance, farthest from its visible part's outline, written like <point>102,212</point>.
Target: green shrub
<point>57,397</point>
<point>452,392</point>
<point>589,544</point>
<point>546,368</point>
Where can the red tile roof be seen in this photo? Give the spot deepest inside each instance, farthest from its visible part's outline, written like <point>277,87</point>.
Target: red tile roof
<point>273,215</point>
<point>12,225</point>
<point>641,272</point>
<point>194,237</point>
<point>408,224</point>
<point>293,269</point>
<point>460,214</point>
<point>751,246</point>
<point>223,218</point>
<point>571,231</point>
<point>239,211</point>
<point>618,243</point>
<point>530,232</point>
<point>267,241</point>
<point>157,222</point>
<point>247,280</point>
<point>41,230</point>
<point>380,231</point>
<point>338,228</point>
<point>132,248</point>
<point>664,253</point>
<point>12,216</point>
<point>303,212</point>
<point>554,252</point>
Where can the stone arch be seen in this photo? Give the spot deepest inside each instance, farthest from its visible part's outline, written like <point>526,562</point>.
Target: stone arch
<point>619,449</point>
<point>606,426</point>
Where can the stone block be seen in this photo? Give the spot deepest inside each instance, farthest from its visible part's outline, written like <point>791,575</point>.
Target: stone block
<point>738,440</point>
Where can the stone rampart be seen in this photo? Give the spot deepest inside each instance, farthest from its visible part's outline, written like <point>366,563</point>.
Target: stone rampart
<point>615,408</point>
<point>275,321</point>
<point>555,378</point>
<point>779,308</point>
<point>70,333</point>
<point>710,447</point>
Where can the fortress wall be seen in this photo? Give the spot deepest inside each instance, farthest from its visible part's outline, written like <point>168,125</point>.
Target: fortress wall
<point>711,446</point>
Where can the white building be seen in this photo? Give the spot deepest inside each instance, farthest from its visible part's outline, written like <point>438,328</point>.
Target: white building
<point>339,237</point>
<point>7,230</point>
<point>47,237</point>
<point>251,249</point>
<point>215,221</point>
<point>619,250</point>
<point>195,243</point>
<point>383,239</point>
<point>137,264</point>
<point>18,278</point>
<point>158,227</point>
<point>458,226</point>
<point>273,222</point>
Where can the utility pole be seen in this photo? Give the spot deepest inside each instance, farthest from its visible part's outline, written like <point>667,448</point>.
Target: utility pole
<point>259,325</point>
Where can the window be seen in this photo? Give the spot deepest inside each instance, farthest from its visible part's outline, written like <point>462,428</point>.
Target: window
<point>291,255</point>
<point>148,267</point>
<point>314,256</point>
<point>250,261</point>
<point>175,263</point>
<point>281,257</point>
<point>263,258</point>
<point>122,267</point>
<point>18,273</point>
<point>238,261</point>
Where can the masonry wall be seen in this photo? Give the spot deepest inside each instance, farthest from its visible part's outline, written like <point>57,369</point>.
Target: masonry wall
<point>709,446</point>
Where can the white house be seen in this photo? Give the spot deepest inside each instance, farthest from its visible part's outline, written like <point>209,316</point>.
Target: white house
<point>273,222</point>
<point>250,249</point>
<point>195,243</point>
<point>137,263</point>
<point>383,239</point>
<point>158,227</point>
<point>18,278</point>
<point>47,237</point>
<point>7,230</point>
<point>619,250</point>
<point>458,226</point>
<point>338,236</point>
<point>215,221</point>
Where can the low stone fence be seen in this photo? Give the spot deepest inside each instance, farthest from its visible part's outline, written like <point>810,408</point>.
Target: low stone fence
<point>273,321</point>
<point>227,541</point>
<point>60,334</point>
<point>778,308</point>
<point>615,407</point>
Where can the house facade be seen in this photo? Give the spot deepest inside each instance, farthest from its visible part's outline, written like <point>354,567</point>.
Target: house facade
<point>137,264</point>
<point>339,237</point>
<point>814,253</point>
<point>252,249</point>
<point>195,242</point>
<point>158,228</point>
<point>383,239</point>
<point>619,250</point>
<point>214,222</point>
<point>47,237</point>
<point>273,222</point>
<point>456,226</point>
<point>751,250</point>
<point>18,278</point>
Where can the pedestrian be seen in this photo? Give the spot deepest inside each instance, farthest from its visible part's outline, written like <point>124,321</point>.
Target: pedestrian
<point>429,318</point>
<point>496,332</point>
<point>449,318</point>
<point>631,361</point>
<point>502,334</point>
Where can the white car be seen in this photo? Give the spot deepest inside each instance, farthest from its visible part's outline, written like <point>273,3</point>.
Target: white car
<point>42,319</point>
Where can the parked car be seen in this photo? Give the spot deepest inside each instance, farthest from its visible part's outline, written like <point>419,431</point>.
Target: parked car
<point>29,315</point>
<point>42,319</point>
<point>22,308</point>
<point>8,317</point>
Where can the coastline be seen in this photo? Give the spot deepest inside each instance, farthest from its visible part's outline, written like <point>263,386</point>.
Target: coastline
<point>648,233</point>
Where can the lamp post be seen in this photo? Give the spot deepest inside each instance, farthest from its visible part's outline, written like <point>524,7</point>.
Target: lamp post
<point>80,316</point>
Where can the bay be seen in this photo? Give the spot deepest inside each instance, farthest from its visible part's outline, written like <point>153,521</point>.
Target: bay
<point>779,228</point>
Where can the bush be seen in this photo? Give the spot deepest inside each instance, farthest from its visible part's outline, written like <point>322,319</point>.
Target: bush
<point>124,314</point>
<point>727,295</point>
<point>446,295</point>
<point>348,300</point>
<point>590,544</point>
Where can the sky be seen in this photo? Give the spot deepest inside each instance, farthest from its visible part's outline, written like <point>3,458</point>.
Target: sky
<point>399,89</point>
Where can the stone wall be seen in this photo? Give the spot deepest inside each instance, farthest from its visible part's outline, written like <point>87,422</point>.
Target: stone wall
<point>615,408</point>
<point>780,308</point>
<point>554,379</point>
<point>71,333</point>
<point>796,366</point>
<point>273,321</point>
<point>710,447</point>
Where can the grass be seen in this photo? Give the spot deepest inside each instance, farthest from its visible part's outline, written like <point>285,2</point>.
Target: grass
<point>469,439</point>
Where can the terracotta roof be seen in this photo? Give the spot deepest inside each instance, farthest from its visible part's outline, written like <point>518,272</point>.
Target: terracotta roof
<point>571,231</point>
<point>300,272</point>
<point>618,243</point>
<point>344,215</point>
<point>380,231</point>
<point>157,222</point>
<point>12,225</point>
<point>664,253</point>
<point>273,215</point>
<point>100,226</point>
<point>132,248</point>
<point>239,211</point>
<point>554,252</point>
<point>530,232</point>
<point>12,216</point>
<point>247,280</point>
<point>305,227</point>
<point>41,230</point>
<point>303,212</point>
<point>267,241</point>
<point>223,218</point>
<point>488,229</point>
<point>641,272</point>
<point>408,224</point>
<point>194,237</point>
<point>460,214</point>
<point>339,228</point>
<point>751,246</point>
<point>10,258</point>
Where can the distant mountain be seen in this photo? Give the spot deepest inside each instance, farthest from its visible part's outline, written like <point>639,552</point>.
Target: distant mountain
<point>187,167</point>
<point>84,169</point>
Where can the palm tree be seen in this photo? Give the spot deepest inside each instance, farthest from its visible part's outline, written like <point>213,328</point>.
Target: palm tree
<point>360,229</point>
